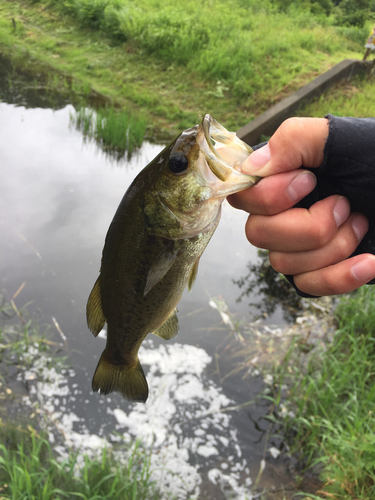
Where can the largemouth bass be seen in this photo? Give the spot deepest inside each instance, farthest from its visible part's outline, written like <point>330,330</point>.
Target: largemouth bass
<point>153,246</point>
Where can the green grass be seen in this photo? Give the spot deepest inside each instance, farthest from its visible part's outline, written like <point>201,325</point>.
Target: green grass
<point>248,45</point>
<point>117,132</point>
<point>173,61</point>
<point>29,470</point>
<point>350,98</point>
<point>333,400</point>
<point>29,467</point>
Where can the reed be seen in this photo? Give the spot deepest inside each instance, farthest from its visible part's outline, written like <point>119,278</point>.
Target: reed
<point>331,403</point>
<point>115,131</point>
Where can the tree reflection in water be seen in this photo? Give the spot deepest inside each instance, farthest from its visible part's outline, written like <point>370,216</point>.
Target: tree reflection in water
<point>272,288</point>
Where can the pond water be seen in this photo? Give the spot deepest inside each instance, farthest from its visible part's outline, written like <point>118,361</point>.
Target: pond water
<point>58,195</point>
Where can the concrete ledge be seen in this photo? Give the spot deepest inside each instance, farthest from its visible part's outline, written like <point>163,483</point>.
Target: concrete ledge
<point>269,121</point>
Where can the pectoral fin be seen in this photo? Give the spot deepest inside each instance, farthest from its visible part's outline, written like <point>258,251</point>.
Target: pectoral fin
<point>94,312</point>
<point>160,267</point>
<point>193,275</point>
<point>169,328</point>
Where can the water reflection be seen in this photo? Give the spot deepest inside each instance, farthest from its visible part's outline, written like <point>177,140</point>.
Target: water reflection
<point>272,288</point>
<point>30,89</point>
<point>57,198</point>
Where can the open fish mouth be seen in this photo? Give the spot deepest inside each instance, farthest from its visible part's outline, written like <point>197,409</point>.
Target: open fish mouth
<point>225,153</point>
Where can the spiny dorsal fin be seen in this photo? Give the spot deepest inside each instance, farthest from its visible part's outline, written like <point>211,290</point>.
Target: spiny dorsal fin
<point>160,267</point>
<point>169,328</point>
<point>94,311</point>
<point>193,275</point>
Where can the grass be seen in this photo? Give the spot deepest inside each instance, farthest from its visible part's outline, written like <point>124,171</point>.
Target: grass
<point>175,61</point>
<point>351,98</point>
<point>29,470</point>
<point>117,132</point>
<point>332,400</point>
<point>227,42</point>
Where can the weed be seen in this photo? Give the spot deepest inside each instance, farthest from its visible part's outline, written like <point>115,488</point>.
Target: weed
<point>115,131</point>
<point>349,98</point>
<point>29,469</point>
<point>332,402</point>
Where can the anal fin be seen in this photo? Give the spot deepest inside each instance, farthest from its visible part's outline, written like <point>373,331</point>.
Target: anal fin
<point>193,275</point>
<point>94,312</point>
<point>169,328</point>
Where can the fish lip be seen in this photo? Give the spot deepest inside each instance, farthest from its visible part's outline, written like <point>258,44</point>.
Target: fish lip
<point>230,175</point>
<point>212,155</point>
<point>206,125</point>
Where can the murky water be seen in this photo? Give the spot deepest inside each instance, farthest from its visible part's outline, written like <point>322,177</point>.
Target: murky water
<point>58,195</point>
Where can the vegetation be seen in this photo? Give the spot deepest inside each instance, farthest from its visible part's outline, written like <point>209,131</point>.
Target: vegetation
<point>115,131</point>
<point>330,406</point>
<point>350,98</point>
<point>177,60</point>
<point>271,287</point>
<point>29,468</point>
<point>171,62</point>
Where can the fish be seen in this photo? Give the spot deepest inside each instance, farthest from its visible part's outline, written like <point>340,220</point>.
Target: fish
<point>153,246</point>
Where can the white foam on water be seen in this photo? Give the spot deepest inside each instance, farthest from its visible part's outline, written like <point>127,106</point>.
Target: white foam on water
<point>190,438</point>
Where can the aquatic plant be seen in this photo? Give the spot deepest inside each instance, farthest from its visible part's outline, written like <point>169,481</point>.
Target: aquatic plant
<point>117,132</point>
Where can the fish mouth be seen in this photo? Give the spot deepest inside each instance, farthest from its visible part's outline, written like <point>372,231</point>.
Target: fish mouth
<point>225,153</point>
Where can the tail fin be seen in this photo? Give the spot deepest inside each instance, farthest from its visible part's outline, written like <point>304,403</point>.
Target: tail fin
<point>130,381</point>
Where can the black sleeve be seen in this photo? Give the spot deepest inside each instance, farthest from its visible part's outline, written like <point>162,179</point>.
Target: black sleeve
<point>348,169</point>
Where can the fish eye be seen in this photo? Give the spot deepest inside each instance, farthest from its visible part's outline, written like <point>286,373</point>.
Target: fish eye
<point>178,164</point>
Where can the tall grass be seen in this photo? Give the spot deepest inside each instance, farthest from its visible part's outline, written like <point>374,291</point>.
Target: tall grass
<point>115,131</point>
<point>29,471</point>
<point>350,98</point>
<point>333,400</point>
<point>245,43</point>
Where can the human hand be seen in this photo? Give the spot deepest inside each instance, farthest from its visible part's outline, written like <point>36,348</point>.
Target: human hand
<point>312,245</point>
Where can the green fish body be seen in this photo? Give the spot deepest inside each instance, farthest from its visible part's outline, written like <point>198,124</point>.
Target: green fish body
<point>152,249</point>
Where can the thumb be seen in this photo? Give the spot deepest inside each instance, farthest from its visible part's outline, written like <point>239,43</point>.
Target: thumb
<point>297,142</point>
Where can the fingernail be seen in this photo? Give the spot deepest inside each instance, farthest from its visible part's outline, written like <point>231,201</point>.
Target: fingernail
<point>341,210</point>
<point>256,160</point>
<point>360,226</point>
<point>301,185</point>
<point>363,270</point>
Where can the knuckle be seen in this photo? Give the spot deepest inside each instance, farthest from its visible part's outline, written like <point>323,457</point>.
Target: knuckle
<point>330,282</point>
<point>290,126</point>
<point>254,232</point>
<point>344,247</point>
<point>321,234</point>
<point>279,262</point>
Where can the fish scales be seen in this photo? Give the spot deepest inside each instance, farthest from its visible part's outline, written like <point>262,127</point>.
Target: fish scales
<point>152,249</point>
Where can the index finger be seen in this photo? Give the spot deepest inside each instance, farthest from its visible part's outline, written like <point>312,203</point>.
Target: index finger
<point>297,142</point>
